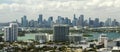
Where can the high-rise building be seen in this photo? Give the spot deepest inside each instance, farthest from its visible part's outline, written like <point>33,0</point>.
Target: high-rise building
<point>74,22</point>
<point>67,21</point>
<point>96,22</point>
<point>44,24</point>
<point>50,21</point>
<point>36,24</point>
<point>108,22</point>
<point>11,32</point>
<point>60,20</point>
<point>24,21</point>
<point>91,22</point>
<point>40,19</point>
<point>31,23</point>
<point>7,34</point>
<point>81,21</point>
<point>101,24</point>
<point>115,23</point>
<point>61,33</point>
<point>86,23</point>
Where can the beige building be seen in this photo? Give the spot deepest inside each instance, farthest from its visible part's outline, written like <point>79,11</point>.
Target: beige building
<point>78,50</point>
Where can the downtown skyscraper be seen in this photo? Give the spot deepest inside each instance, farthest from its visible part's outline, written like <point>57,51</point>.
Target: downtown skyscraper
<point>24,21</point>
<point>40,19</point>
<point>80,22</point>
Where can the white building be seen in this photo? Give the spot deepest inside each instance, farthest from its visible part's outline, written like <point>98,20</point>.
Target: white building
<point>43,37</point>
<point>103,39</point>
<point>11,32</point>
<point>116,49</point>
<point>50,37</point>
<point>75,38</point>
<point>117,42</point>
<point>7,32</point>
<point>104,50</point>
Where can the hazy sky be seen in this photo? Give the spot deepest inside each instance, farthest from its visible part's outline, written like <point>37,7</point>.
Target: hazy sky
<point>15,9</point>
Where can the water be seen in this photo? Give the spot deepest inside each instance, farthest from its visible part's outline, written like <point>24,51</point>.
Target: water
<point>27,36</point>
<point>110,35</point>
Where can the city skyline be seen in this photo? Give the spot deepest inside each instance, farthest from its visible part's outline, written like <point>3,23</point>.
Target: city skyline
<point>76,21</point>
<point>15,9</point>
<point>55,18</point>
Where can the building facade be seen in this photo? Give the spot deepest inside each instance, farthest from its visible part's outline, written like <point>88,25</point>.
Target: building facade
<point>11,32</point>
<point>61,33</point>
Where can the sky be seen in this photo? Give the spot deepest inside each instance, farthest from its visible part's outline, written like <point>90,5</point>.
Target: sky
<point>14,9</point>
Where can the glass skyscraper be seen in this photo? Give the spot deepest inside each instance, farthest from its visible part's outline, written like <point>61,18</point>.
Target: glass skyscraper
<point>24,21</point>
<point>40,19</point>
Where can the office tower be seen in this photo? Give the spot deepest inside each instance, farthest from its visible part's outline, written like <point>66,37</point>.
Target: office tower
<point>60,20</point>
<point>74,16</point>
<point>74,21</point>
<point>101,24</point>
<point>50,18</point>
<point>24,21</point>
<point>86,23</point>
<point>67,21</point>
<point>103,39</point>
<point>45,23</point>
<point>91,22</point>
<point>40,19</point>
<point>81,21</point>
<point>31,23</point>
<point>50,21</point>
<point>96,22</point>
<point>115,23</point>
<point>36,24</point>
<point>11,32</point>
<point>61,33</point>
<point>108,22</point>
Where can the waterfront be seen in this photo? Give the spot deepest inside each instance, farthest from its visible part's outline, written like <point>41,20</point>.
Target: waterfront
<point>95,35</point>
<point>27,36</point>
<point>111,36</point>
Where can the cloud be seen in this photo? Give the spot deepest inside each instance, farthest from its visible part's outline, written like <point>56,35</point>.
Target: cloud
<point>17,8</point>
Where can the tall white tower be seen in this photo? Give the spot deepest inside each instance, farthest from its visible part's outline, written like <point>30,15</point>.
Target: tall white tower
<point>7,32</point>
<point>11,32</point>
